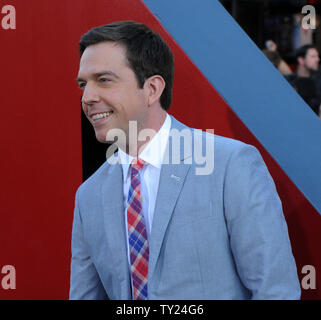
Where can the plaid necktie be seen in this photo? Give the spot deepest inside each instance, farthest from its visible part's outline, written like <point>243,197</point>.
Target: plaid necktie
<point>137,235</point>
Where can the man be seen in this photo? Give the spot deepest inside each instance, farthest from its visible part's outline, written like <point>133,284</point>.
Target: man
<point>151,225</point>
<point>305,79</point>
<point>308,61</point>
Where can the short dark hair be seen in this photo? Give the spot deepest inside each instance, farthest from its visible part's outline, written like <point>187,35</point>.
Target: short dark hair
<point>302,51</point>
<point>147,53</point>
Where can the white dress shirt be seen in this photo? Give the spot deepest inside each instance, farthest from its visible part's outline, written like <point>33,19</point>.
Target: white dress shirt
<point>153,155</point>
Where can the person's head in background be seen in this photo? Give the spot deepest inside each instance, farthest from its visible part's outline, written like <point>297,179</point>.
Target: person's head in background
<point>308,60</point>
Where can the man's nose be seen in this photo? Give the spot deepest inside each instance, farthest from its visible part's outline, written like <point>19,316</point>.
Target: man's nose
<point>90,95</point>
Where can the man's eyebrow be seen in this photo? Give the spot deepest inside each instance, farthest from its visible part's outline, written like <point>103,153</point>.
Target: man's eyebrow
<point>99,74</point>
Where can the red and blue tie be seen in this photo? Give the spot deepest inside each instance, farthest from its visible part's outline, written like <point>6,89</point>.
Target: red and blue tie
<point>137,235</point>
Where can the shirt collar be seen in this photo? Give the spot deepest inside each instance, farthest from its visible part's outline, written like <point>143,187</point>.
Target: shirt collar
<point>153,153</point>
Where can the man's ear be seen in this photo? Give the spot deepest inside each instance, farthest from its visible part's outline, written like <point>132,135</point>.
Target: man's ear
<point>300,60</point>
<point>155,86</point>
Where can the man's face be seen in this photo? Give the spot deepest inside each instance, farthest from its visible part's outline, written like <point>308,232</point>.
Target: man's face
<point>111,96</point>
<point>311,61</point>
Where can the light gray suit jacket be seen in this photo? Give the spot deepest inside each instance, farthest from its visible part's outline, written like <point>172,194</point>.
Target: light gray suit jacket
<point>216,236</point>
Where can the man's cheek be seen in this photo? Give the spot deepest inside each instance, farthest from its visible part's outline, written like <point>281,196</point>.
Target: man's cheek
<point>85,110</point>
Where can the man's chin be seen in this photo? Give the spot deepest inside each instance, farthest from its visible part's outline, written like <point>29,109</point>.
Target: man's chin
<point>313,70</point>
<point>101,137</point>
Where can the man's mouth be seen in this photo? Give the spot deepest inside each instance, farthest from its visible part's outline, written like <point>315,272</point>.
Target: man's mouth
<point>99,117</point>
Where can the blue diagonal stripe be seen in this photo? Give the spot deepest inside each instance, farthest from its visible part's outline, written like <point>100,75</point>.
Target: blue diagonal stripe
<point>251,86</point>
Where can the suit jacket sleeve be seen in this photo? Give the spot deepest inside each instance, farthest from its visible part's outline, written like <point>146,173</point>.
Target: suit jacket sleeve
<point>258,231</point>
<point>85,283</point>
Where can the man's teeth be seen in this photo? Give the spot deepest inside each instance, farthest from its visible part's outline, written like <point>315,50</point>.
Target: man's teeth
<point>101,115</point>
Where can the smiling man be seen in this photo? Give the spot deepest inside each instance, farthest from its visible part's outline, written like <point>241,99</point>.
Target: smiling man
<point>148,229</point>
<point>112,96</point>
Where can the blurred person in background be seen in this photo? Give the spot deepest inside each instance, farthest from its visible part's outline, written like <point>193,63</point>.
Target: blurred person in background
<point>305,78</point>
<point>308,61</point>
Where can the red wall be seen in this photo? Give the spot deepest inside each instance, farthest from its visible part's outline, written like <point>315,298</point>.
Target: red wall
<point>41,140</point>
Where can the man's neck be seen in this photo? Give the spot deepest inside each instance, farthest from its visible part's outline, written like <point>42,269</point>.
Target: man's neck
<point>145,135</point>
<point>303,72</point>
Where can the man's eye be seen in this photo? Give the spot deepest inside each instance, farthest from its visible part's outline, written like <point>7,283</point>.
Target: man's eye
<point>104,80</point>
<point>82,85</point>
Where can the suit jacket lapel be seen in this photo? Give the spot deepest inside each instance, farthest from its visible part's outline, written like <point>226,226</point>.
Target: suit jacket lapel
<point>171,182</point>
<point>112,195</point>
<point>172,178</point>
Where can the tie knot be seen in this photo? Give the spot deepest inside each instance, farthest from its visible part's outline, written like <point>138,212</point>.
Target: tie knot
<point>137,164</point>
